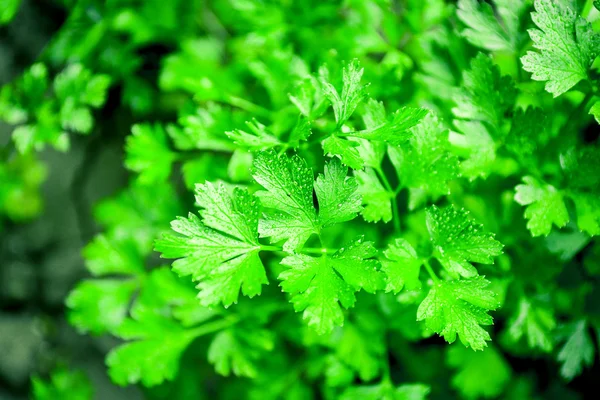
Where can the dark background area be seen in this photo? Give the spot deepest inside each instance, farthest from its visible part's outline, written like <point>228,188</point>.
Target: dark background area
<point>41,260</point>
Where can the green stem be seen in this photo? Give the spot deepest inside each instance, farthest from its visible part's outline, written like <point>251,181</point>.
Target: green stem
<point>386,376</point>
<point>392,193</point>
<point>307,250</point>
<point>430,271</point>
<point>247,106</point>
<point>212,327</point>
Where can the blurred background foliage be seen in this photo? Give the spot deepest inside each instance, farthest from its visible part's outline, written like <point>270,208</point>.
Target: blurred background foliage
<point>82,73</point>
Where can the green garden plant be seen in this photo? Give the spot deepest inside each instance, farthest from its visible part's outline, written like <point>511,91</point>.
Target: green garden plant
<point>367,199</point>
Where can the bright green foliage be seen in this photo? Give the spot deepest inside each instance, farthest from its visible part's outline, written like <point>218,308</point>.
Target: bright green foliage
<point>529,132</point>
<point>567,46</point>
<point>221,250</point>
<point>595,111</point>
<point>481,149</point>
<point>545,206</point>
<point>148,153</point>
<point>62,384</point>
<point>387,391</point>
<point>397,130</point>
<point>138,214</point>
<point>289,197</point>
<point>152,357</point>
<point>158,331</point>
<point>486,95</point>
<point>482,374</point>
<point>20,180</point>
<point>345,149</point>
<point>236,350</point>
<point>101,305</point>
<point>8,9</point>
<point>534,322</point>
<point>352,94</point>
<point>358,347</point>
<point>485,30</point>
<point>401,267</point>
<point>588,212</point>
<point>258,138</point>
<point>45,117</point>
<point>376,198</point>
<point>458,308</point>
<point>578,350</point>
<point>458,241</point>
<point>345,158</point>
<point>321,286</point>
<point>424,165</point>
<point>584,186</point>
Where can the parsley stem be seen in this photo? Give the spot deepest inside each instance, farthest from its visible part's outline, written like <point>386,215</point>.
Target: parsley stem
<point>385,365</point>
<point>392,193</point>
<point>307,250</point>
<point>247,106</point>
<point>213,326</point>
<point>430,271</point>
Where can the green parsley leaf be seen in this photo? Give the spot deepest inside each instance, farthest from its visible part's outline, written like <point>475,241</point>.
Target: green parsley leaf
<point>578,350</point>
<point>237,350</point>
<point>78,119</point>
<point>153,355</point>
<point>459,307</point>
<point>534,321</point>
<point>426,163</point>
<point>481,147</point>
<point>289,193</point>
<point>487,95</point>
<point>595,111</point>
<point>337,195</point>
<point>148,153</point>
<point>481,374</point>
<point>8,9</point>
<point>360,346</point>
<point>396,131</point>
<point>401,267</point>
<point>567,46</point>
<point>100,306</point>
<point>347,150</point>
<point>76,83</point>
<point>545,206</point>
<point>300,133</point>
<point>458,241</point>
<point>113,256</point>
<point>377,200</point>
<point>353,93</point>
<point>529,132</point>
<point>203,129</point>
<point>587,206</point>
<point>291,214</point>
<point>139,214</point>
<point>486,31</point>
<point>156,338</point>
<point>386,391</point>
<point>221,251</point>
<point>257,139</point>
<point>309,98</point>
<point>62,384</point>
<point>320,286</point>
